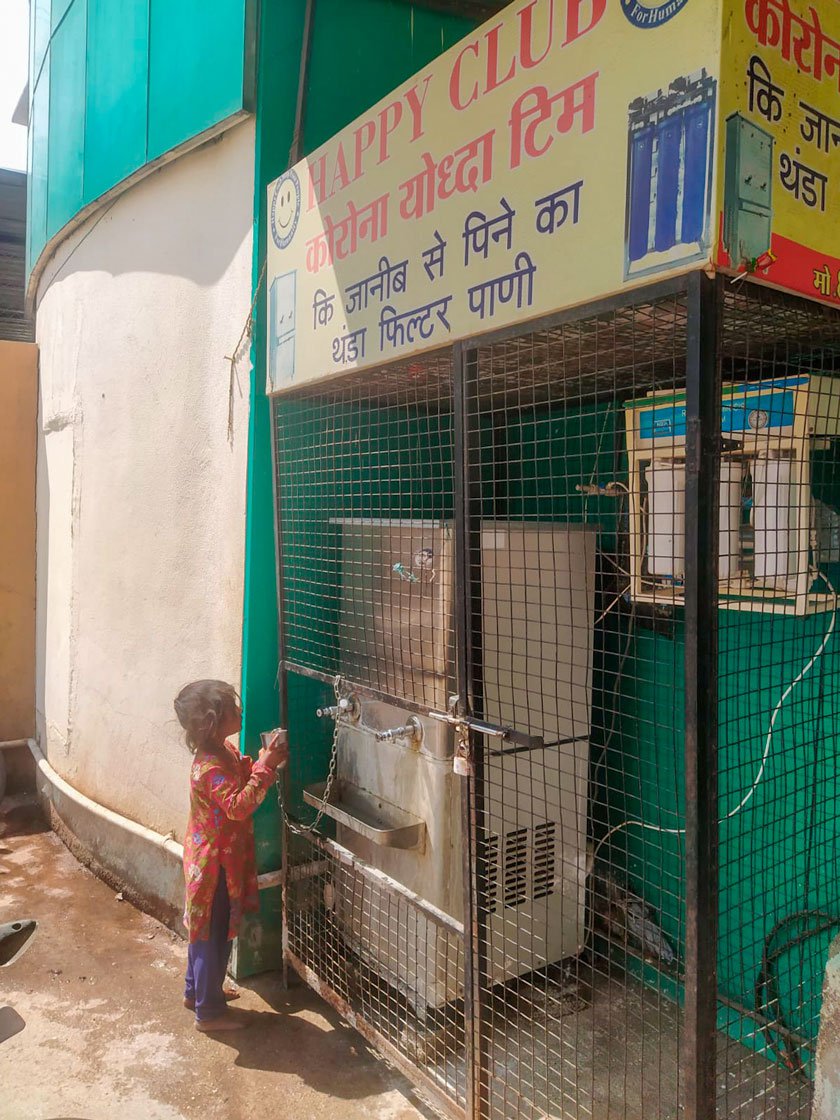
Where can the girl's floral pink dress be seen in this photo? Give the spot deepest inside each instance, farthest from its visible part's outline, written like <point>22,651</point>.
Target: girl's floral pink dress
<point>220,833</point>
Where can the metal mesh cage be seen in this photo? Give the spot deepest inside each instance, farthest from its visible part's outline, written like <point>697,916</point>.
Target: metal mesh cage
<point>561,655</point>
<point>373,950</point>
<point>565,601</point>
<point>778,685</point>
<point>371,453</point>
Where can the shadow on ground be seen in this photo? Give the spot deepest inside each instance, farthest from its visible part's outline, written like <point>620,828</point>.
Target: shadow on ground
<point>95,1009</point>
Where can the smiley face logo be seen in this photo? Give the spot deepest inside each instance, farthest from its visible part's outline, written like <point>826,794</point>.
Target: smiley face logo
<point>285,208</point>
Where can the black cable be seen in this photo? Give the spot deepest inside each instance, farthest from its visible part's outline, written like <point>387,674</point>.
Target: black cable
<point>767,996</point>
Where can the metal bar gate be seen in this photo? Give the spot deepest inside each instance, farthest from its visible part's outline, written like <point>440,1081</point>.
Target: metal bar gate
<point>558,633</point>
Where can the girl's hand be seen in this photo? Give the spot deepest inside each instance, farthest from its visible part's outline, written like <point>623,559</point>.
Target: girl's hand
<point>274,759</point>
<point>275,754</point>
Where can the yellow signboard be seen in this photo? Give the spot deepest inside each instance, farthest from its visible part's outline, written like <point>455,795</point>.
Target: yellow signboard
<point>779,212</point>
<point>563,151</point>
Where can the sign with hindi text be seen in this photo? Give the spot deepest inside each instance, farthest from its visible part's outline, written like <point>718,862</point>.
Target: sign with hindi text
<point>779,212</point>
<point>563,151</point>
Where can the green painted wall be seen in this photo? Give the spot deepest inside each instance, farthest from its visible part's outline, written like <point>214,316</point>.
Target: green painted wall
<point>361,49</point>
<point>280,21</point>
<point>382,461</point>
<point>116,85</point>
<point>777,852</point>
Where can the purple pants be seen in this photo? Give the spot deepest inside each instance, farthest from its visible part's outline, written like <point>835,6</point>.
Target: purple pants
<point>207,961</point>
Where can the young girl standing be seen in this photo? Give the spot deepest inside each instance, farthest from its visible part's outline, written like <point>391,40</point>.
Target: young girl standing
<point>219,859</point>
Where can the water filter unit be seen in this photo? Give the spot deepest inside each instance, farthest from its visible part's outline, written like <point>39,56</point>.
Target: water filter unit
<point>666,519</point>
<point>729,533</point>
<point>665,552</point>
<point>767,542</point>
<point>773,500</point>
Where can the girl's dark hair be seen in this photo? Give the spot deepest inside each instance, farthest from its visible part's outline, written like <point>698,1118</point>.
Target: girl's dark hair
<point>199,707</point>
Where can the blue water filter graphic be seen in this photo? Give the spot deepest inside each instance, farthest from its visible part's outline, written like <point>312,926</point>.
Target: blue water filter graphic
<point>641,174</point>
<point>670,147</point>
<point>697,125</point>
<point>669,135</point>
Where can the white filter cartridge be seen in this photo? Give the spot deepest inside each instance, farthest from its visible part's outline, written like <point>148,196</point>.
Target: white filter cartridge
<point>772,495</point>
<point>729,547</point>
<point>666,520</point>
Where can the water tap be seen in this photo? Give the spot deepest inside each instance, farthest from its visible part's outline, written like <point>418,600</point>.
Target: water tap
<point>411,729</point>
<point>348,706</point>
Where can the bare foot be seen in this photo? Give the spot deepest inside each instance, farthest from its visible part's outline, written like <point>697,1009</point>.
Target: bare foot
<point>229,994</point>
<point>222,1023</point>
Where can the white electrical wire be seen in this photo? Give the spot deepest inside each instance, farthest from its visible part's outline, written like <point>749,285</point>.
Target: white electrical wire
<point>613,604</point>
<point>615,564</point>
<point>802,674</point>
<point>767,742</point>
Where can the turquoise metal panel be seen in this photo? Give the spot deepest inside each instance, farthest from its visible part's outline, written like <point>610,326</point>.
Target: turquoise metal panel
<point>116,108</point>
<point>36,216</point>
<point>58,11</point>
<point>117,83</point>
<point>67,117</point>
<point>196,68</point>
<point>39,38</point>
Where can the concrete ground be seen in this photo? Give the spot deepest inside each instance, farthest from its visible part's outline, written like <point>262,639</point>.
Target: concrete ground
<point>92,1026</point>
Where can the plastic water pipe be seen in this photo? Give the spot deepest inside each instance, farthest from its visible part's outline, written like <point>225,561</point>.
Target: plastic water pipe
<point>99,811</point>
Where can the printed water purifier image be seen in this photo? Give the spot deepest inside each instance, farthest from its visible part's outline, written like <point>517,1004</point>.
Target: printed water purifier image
<point>282,329</point>
<point>669,167</point>
<point>748,189</point>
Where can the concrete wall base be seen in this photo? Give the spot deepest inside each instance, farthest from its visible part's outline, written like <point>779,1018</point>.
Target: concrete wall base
<point>149,877</point>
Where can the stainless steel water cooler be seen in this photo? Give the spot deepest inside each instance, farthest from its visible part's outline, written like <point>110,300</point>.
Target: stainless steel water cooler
<point>396,798</point>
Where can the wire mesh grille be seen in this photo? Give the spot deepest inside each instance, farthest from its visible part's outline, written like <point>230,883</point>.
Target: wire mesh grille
<point>369,486</point>
<point>586,1025</point>
<point>365,491</point>
<point>379,955</point>
<point>778,689</point>
<point>572,516</point>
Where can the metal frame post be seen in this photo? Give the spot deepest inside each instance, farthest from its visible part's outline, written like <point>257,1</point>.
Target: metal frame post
<point>282,687</point>
<point>467,486</point>
<point>703,389</point>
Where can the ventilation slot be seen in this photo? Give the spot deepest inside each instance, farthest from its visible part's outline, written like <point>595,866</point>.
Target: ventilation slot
<point>516,867</point>
<point>544,860</point>
<point>488,870</point>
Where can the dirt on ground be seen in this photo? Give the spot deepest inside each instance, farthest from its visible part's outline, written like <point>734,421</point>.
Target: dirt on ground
<point>92,1024</point>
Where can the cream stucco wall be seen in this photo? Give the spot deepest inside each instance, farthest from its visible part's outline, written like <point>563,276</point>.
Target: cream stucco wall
<point>140,492</point>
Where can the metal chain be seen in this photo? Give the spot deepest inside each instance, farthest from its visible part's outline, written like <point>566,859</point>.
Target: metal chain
<point>296,826</point>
